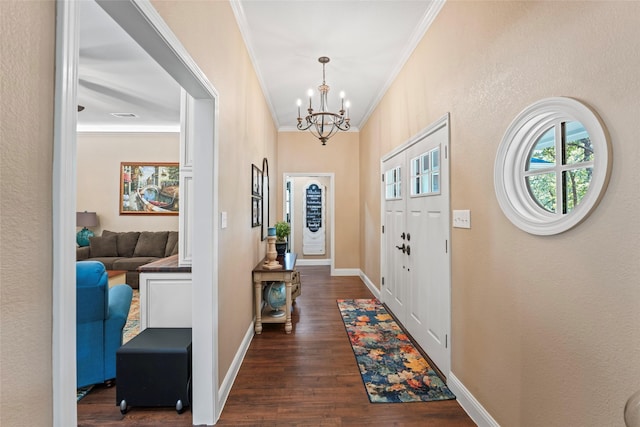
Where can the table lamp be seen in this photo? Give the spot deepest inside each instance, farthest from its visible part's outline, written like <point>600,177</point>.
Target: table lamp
<point>85,219</point>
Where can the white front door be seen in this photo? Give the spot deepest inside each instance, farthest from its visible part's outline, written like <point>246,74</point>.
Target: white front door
<point>423,260</point>
<point>394,291</point>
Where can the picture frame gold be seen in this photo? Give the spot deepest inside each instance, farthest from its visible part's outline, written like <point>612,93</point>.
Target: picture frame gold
<point>149,188</point>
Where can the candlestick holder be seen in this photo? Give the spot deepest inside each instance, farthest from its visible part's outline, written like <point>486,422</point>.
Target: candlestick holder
<point>272,254</point>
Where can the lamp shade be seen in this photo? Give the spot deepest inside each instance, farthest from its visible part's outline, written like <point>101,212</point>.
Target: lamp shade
<point>86,219</point>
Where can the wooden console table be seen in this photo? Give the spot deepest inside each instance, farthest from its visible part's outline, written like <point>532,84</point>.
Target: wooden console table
<point>286,274</point>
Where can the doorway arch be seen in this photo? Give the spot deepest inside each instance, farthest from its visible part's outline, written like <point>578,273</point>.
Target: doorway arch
<point>142,22</point>
<point>330,208</point>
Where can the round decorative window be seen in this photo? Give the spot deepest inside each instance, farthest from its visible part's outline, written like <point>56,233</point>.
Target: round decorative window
<point>552,166</point>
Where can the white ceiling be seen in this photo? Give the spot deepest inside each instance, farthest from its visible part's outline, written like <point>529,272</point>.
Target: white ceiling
<point>368,42</point>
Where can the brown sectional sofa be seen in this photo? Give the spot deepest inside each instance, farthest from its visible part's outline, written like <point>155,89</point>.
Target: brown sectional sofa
<point>129,250</point>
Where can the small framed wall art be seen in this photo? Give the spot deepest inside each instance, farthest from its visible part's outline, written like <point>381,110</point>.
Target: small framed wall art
<point>256,181</point>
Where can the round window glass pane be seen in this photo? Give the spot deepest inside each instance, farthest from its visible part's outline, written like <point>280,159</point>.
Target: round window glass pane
<point>576,185</point>
<point>543,190</point>
<point>578,147</point>
<point>543,153</point>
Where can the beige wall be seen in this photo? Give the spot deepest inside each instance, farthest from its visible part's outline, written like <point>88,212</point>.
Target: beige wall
<point>300,152</point>
<point>246,132</point>
<point>545,330</point>
<point>299,216</point>
<point>99,158</point>
<point>26,158</point>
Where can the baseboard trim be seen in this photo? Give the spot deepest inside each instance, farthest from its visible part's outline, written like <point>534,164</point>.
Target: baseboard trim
<point>469,403</point>
<point>374,290</point>
<point>346,272</point>
<point>232,373</point>
<point>324,261</point>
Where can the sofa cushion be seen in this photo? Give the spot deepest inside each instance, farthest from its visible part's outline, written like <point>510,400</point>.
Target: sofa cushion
<point>108,261</point>
<point>151,244</point>
<point>103,246</point>
<point>172,244</point>
<point>125,241</point>
<point>132,264</point>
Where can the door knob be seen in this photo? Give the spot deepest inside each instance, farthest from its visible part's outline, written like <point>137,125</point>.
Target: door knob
<point>408,250</point>
<point>402,248</point>
<point>408,236</point>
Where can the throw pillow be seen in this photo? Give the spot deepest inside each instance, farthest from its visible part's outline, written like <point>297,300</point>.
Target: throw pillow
<point>126,243</point>
<point>172,244</point>
<point>151,244</point>
<point>104,246</point>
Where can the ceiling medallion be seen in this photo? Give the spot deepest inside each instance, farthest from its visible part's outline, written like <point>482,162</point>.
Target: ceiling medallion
<point>323,124</point>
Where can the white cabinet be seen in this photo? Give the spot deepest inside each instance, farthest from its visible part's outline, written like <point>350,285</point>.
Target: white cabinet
<point>165,300</point>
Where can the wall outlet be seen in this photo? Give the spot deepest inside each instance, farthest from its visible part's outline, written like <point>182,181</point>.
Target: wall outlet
<point>462,218</point>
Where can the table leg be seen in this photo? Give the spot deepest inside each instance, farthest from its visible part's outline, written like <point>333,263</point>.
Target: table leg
<point>258,291</point>
<point>287,326</point>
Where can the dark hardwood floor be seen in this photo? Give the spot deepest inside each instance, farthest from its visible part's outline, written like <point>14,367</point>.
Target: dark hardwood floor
<point>308,378</point>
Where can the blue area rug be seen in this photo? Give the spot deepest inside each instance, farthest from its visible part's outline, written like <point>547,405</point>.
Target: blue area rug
<point>392,368</point>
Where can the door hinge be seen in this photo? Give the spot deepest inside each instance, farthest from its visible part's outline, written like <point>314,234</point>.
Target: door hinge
<point>446,341</point>
<point>383,229</point>
<point>383,281</point>
<point>446,246</point>
<point>446,152</point>
<point>382,175</point>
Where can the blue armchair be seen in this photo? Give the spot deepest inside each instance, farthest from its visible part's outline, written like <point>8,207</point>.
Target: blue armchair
<point>101,314</point>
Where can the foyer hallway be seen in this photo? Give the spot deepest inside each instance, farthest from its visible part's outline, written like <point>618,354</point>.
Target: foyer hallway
<point>308,378</point>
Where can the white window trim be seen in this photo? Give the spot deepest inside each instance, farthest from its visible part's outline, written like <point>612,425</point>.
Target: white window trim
<point>509,170</point>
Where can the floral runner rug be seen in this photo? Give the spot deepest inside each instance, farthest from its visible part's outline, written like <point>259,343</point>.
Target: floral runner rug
<point>132,327</point>
<point>392,368</point>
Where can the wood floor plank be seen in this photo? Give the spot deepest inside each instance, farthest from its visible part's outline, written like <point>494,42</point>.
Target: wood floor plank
<point>307,378</point>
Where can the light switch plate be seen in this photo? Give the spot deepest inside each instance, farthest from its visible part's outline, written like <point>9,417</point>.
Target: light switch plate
<point>462,218</point>
<point>223,220</point>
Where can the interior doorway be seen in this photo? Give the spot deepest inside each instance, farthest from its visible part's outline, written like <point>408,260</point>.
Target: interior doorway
<point>309,207</point>
<point>141,21</point>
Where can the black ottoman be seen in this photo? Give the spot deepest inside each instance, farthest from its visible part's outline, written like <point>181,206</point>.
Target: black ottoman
<point>154,369</point>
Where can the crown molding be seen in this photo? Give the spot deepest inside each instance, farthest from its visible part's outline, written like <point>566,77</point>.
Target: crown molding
<point>428,18</point>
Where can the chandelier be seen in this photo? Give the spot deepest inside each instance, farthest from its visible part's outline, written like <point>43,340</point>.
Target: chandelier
<point>323,124</point>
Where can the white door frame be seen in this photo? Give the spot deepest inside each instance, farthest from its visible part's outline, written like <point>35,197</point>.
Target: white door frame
<point>143,23</point>
<point>330,207</point>
<point>435,126</point>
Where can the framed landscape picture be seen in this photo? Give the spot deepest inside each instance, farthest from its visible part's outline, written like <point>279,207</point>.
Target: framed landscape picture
<point>149,188</point>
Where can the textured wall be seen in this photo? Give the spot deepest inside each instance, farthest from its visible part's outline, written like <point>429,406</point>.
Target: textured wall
<point>246,132</point>
<point>26,136</point>
<point>302,152</point>
<point>99,158</point>
<point>545,330</point>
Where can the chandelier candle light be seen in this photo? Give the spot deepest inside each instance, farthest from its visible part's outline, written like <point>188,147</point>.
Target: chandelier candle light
<point>323,124</point>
